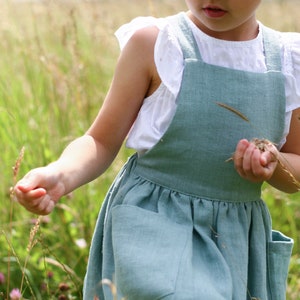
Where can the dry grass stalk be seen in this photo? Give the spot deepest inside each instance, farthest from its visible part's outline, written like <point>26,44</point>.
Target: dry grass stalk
<point>16,169</point>
<point>19,264</point>
<point>56,262</point>
<point>32,242</point>
<point>265,145</point>
<point>17,165</point>
<point>235,111</point>
<point>112,287</point>
<point>285,169</point>
<point>33,232</point>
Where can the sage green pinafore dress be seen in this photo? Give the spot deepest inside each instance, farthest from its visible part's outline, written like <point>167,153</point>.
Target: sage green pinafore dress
<point>179,222</point>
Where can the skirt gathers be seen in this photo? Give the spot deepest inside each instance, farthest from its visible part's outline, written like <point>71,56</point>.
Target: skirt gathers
<point>156,243</point>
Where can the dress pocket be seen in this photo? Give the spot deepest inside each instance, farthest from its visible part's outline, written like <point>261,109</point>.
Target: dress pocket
<point>148,250</point>
<point>279,254</point>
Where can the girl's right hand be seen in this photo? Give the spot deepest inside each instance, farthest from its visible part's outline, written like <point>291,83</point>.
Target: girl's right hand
<point>254,164</point>
<point>39,190</point>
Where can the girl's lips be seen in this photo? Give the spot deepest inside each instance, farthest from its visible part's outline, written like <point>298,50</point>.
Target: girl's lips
<point>214,12</point>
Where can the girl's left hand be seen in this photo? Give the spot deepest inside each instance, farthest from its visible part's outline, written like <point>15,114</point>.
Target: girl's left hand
<point>252,163</point>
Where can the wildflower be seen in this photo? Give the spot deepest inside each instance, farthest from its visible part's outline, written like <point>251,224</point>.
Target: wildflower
<point>81,243</point>
<point>63,287</point>
<point>44,286</point>
<point>2,278</point>
<point>50,274</point>
<point>15,294</point>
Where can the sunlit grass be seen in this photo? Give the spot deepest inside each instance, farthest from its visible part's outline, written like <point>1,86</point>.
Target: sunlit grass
<point>57,59</point>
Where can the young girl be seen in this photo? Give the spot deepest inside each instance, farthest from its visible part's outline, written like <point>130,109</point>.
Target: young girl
<point>180,221</point>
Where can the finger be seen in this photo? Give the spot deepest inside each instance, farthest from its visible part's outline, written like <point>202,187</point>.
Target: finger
<point>23,187</point>
<point>32,180</point>
<point>24,195</point>
<point>267,157</point>
<point>241,148</point>
<point>37,193</point>
<point>258,170</point>
<point>247,160</point>
<point>252,168</point>
<point>261,172</point>
<point>239,154</point>
<point>26,185</point>
<point>49,208</point>
<point>42,206</point>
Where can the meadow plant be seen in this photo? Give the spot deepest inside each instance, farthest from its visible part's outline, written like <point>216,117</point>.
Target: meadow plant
<point>15,294</point>
<point>56,64</point>
<point>2,278</point>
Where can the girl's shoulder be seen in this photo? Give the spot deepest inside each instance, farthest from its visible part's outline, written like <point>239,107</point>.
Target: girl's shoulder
<point>167,52</point>
<point>126,31</point>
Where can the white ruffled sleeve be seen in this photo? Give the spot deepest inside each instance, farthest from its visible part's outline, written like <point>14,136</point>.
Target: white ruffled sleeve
<point>291,71</point>
<point>291,42</point>
<point>126,31</point>
<point>169,59</point>
<point>167,52</point>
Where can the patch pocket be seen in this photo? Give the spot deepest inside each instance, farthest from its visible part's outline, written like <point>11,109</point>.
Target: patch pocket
<point>148,249</point>
<point>279,254</point>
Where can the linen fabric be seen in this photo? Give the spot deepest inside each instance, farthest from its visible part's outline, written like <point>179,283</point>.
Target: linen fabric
<point>179,222</point>
<point>158,109</point>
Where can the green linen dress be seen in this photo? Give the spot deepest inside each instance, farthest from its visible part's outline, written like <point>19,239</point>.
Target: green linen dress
<point>179,222</point>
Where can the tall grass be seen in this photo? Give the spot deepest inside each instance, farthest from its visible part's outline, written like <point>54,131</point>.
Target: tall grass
<point>56,62</point>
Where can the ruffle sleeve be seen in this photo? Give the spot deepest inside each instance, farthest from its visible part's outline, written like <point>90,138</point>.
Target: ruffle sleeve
<point>291,42</point>
<point>167,52</point>
<point>126,31</point>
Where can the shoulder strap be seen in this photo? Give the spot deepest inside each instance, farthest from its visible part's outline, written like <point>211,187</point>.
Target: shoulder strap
<point>271,39</point>
<point>189,47</point>
<point>185,36</point>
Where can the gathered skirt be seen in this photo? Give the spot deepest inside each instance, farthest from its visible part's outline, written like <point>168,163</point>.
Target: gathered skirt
<point>155,243</point>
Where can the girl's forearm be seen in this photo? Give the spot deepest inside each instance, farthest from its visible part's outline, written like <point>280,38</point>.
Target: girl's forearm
<point>287,174</point>
<point>82,161</point>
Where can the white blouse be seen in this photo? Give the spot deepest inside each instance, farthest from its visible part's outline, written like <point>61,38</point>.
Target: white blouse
<point>158,109</point>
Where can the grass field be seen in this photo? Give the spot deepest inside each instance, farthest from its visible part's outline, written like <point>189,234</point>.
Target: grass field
<point>56,62</point>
